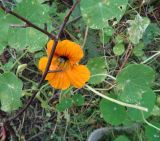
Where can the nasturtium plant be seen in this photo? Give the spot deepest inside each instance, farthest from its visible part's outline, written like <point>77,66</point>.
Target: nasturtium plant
<point>10,92</point>
<point>98,68</point>
<point>110,111</point>
<point>97,13</point>
<point>137,28</point>
<point>132,82</point>
<point>89,60</point>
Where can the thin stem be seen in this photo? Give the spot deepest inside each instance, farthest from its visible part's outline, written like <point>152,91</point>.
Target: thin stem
<point>155,55</point>
<point>149,124</point>
<point>53,71</point>
<point>117,101</point>
<point>85,37</point>
<point>17,60</point>
<point>29,23</point>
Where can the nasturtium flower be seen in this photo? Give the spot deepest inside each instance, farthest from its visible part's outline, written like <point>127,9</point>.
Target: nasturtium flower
<point>66,61</point>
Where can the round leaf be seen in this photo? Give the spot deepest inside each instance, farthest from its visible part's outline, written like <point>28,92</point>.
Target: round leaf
<point>27,37</point>
<point>132,82</point>
<point>148,101</point>
<point>40,14</point>
<point>96,13</point>
<point>118,49</point>
<point>110,111</point>
<point>10,92</point>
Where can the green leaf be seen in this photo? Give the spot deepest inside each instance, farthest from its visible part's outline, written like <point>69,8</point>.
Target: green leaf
<point>119,49</point>
<point>92,43</point>
<point>98,69</point>
<point>119,39</point>
<point>148,100</point>
<point>121,138</point>
<point>150,33</point>
<point>10,92</point>
<point>33,10</point>
<point>132,82</point>
<point>4,31</point>
<point>64,104</point>
<point>151,133</point>
<point>96,13</point>
<point>137,28</point>
<point>21,38</point>
<point>106,34</point>
<point>27,37</point>
<point>78,99</point>
<point>156,111</point>
<point>110,111</point>
<point>138,49</point>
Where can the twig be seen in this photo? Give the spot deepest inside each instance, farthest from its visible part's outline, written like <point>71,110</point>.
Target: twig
<point>68,5</point>
<point>127,55</point>
<point>52,71</point>
<point>85,36</point>
<point>116,101</point>
<point>48,63</point>
<point>3,134</point>
<point>29,23</point>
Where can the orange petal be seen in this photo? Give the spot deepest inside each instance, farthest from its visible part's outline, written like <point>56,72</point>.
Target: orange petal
<point>42,65</point>
<point>49,46</point>
<point>67,48</point>
<point>78,75</point>
<point>70,49</point>
<point>60,81</point>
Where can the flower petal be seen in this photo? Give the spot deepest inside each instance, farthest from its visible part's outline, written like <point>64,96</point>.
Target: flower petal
<point>60,81</point>
<point>42,65</point>
<point>68,49</point>
<point>78,75</point>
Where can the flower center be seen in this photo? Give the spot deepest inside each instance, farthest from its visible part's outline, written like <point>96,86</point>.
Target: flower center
<point>62,59</point>
<point>63,63</point>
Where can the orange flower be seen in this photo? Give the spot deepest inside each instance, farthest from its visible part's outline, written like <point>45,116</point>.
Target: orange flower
<point>66,58</point>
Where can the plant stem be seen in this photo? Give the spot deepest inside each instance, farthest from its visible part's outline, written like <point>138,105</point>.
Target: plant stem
<point>116,101</point>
